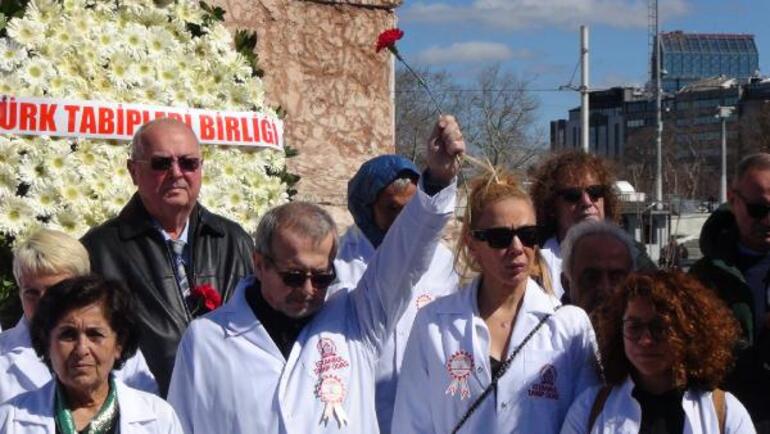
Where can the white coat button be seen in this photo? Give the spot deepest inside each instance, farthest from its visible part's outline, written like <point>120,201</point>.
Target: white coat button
<point>479,369</point>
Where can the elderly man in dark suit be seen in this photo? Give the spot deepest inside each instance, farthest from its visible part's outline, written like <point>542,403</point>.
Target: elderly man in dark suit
<point>164,244</point>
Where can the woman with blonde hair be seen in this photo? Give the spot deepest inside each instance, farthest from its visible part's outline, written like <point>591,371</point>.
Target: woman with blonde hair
<point>666,343</point>
<point>500,355</point>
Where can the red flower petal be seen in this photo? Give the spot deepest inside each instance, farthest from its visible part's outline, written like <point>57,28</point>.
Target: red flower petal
<point>211,298</point>
<point>388,38</point>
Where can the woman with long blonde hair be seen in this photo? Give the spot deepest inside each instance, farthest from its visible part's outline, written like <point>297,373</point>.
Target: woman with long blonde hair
<point>500,355</point>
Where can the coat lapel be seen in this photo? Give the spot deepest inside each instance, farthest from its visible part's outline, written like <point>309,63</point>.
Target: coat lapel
<point>241,322</point>
<point>132,409</point>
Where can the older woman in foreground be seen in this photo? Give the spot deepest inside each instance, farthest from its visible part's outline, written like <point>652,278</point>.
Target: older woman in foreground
<point>84,329</point>
<point>43,259</point>
<point>666,343</point>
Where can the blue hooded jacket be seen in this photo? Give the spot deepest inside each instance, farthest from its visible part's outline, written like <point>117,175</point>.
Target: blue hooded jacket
<point>363,189</point>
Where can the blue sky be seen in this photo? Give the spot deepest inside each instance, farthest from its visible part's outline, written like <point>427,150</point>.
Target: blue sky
<point>539,39</point>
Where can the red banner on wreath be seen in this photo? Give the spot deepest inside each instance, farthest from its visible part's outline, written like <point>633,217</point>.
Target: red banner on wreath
<point>106,120</point>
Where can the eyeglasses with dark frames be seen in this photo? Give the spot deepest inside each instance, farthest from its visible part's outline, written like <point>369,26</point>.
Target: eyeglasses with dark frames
<point>634,329</point>
<point>297,278</point>
<point>574,194</point>
<point>757,211</point>
<point>500,238</point>
<point>162,164</point>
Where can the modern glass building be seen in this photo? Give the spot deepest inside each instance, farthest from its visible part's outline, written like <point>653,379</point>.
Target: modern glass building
<point>689,57</point>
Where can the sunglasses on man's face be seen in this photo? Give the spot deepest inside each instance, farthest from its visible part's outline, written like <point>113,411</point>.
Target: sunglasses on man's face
<point>757,211</point>
<point>297,278</point>
<point>574,194</point>
<point>500,238</point>
<point>162,164</point>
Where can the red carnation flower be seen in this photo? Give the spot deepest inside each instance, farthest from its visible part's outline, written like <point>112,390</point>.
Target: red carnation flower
<point>388,38</point>
<point>209,296</point>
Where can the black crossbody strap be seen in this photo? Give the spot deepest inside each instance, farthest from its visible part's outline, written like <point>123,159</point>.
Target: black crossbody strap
<point>503,368</point>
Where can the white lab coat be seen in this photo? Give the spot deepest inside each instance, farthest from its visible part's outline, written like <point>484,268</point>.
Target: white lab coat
<point>551,253</point>
<point>622,414</point>
<point>440,280</point>
<point>21,370</point>
<point>553,368</point>
<point>140,412</point>
<point>230,377</point>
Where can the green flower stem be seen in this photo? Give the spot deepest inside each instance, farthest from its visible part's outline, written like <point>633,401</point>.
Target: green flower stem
<point>420,81</point>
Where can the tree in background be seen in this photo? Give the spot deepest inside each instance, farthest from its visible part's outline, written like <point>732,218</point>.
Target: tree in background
<point>496,111</point>
<point>415,111</point>
<point>502,116</point>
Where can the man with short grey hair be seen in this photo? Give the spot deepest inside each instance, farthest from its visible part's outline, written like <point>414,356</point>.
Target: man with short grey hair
<point>596,257</point>
<point>281,356</point>
<point>164,243</point>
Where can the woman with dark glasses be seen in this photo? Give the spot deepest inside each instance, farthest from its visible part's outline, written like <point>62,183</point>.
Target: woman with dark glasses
<point>569,188</point>
<point>666,343</point>
<point>499,356</point>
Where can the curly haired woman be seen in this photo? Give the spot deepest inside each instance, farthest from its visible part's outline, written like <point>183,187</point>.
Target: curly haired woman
<point>568,188</point>
<point>666,343</point>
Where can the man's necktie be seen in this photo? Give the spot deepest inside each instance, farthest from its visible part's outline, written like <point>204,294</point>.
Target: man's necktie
<point>177,246</point>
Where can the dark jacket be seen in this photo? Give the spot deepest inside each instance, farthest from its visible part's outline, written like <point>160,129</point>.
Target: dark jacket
<point>718,269</point>
<point>643,260</point>
<point>129,248</point>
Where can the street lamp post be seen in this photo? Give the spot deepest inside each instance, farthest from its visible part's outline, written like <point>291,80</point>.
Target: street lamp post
<point>724,112</point>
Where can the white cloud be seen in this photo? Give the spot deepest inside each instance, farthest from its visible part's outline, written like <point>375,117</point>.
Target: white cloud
<point>522,14</point>
<point>470,52</point>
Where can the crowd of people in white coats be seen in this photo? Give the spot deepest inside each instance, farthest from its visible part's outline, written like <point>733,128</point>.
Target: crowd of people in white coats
<point>546,317</point>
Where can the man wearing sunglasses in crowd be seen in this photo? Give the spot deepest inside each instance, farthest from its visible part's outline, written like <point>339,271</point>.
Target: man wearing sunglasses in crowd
<point>281,356</point>
<point>164,243</point>
<point>569,188</point>
<point>735,242</point>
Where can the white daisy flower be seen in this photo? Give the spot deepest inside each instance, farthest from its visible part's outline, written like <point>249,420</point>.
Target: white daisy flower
<point>144,70</point>
<point>121,71</point>
<point>70,222</point>
<point>29,33</point>
<point>188,11</point>
<point>43,199</point>
<point>73,5</point>
<point>133,40</point>
<point>161,41</point>
<point>37,71</point>
<point>11,54</point>
<point>106,41</point>
<point>9,181</point>
<point>15,214</point>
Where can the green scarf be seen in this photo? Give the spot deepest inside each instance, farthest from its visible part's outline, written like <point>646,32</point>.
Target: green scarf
<point>102,423</point>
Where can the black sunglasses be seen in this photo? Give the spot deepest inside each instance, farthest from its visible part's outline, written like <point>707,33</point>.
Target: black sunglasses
<point>297,278</point>
<point>500,238</point>
<point>162,164</point>
<point>574,194</point>
<point>633,329</point>
<point>757,211</point>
